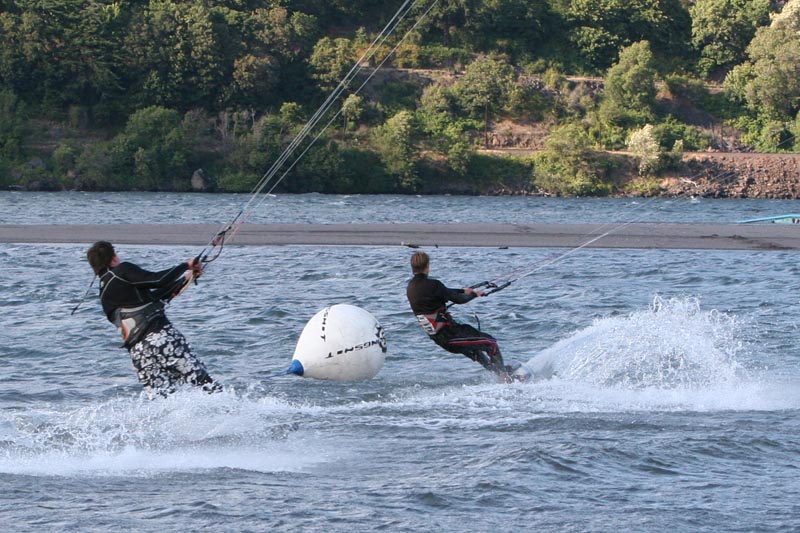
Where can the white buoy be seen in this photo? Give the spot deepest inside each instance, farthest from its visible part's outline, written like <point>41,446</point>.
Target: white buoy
<point>341,343</point>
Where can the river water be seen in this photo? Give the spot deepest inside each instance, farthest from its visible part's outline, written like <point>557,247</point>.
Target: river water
<point>667,387</point>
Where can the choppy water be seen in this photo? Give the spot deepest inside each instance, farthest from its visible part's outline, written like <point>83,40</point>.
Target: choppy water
<point>141,208</point>
<point>667,395</point>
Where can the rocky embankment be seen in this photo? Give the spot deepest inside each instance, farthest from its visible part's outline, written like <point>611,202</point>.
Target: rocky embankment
<point>737,175</point>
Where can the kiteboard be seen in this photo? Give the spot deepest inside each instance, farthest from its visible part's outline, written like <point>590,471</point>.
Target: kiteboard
<point>519,373</point>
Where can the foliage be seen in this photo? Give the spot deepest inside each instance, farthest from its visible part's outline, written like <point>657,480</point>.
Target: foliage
<point>765,134</point>
<point>447,133</point>
<point>252,147</point>
<point>57,51</point>
<point>352,108</point>
<point>644,186</point>
<point>687,87</point>
<point>459,150</point>
<point>671,131</point>
<point>364,173</point>
<point>722,29</point>
<point>331,60</point>
<point>629,95</point>
<point>150,91</point>
<point>513,27</point>
<point>276,40</point>
<point>396,96</point>
<point>501,172</point>
<point>795,146</point>
<point>770,81</point>
<point>485,87</point>
<point>151,153</point>
<point>644,145</point>
<point>599,29</point>
<point>567,167</point>
<point>438,56</point>
<point>12,122</point>
<point>320,170</point>
<point>395,144</point>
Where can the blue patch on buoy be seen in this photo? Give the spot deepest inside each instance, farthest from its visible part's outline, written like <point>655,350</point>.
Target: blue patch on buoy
<point>296,367</point>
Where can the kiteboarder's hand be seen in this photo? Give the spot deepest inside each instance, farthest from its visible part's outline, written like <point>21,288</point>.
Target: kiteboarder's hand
<point>196,266</point>
<point>470,290</point>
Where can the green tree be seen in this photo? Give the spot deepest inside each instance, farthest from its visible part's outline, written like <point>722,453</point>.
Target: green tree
<point>12,132</point>
<point>448,20</point>
<point>459,149</point>
<point>152,152</point>
<point>60,52</point>
<point>434,111</point>
<point>796,133</point>
<point>629,94</point>
<point>394,141</point>
<point>331,60</point>
<point>485,88</point>
<point>273,42</point>
<point>177,55</point>
<point>601,28</point>
<point>446,134</point>
<point>722,29</point>
<point>251,150</point>
<point>567,165</point>
<point>352,108</point>
<point>518,27</point>
<point>769,82</point>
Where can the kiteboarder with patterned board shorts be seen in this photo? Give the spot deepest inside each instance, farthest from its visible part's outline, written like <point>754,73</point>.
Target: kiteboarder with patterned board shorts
<point>133,300</point>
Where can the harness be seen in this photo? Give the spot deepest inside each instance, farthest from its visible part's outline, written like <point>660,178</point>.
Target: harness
<point>434,322</point>
<point>133,322</point>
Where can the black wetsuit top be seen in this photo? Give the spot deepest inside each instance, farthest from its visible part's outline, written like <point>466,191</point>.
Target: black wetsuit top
<point>128,285</point>
<point>427,295</point>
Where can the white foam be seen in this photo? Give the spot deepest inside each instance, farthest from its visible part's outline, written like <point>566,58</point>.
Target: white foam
<point>132,461</point>
<point>671,356</point>
<point>189,430</point>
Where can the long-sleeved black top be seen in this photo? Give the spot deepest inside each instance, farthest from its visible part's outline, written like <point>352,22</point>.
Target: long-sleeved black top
<point>427,295</point>
<point>127,285</point>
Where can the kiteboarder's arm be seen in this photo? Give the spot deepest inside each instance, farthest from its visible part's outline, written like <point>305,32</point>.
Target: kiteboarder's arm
<point>145,279</point>
<point>462,296</point>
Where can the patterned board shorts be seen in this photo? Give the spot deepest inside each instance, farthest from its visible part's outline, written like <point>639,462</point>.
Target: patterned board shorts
<point>164,361</point>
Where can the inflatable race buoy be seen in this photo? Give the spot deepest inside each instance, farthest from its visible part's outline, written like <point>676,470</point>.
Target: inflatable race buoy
<point>341,343</point>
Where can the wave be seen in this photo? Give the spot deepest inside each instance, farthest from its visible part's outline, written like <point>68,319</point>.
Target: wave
<point>671,357</point>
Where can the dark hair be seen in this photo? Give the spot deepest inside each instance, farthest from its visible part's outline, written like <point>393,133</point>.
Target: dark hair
<point>100,255</point>
<point>419,262</point>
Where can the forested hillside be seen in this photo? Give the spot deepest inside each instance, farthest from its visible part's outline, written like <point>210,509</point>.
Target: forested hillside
<point>606,95</point>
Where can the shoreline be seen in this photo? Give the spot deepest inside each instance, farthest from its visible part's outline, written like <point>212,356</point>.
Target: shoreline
<point>764,237</point>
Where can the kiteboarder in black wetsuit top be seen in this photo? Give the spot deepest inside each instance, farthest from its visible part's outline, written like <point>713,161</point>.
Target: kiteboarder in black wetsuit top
<point>429,297</point>
<point>132,300</point>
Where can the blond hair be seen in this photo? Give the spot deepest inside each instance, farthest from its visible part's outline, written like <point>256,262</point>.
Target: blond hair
<point>419,262</point>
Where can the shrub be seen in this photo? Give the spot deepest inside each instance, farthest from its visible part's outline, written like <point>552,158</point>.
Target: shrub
<point>152,150</point>
<point>643,144</point>
<point>12,132</point>
<point>568,174</point>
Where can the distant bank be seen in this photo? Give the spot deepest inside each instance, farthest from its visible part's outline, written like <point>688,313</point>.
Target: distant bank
<point>636,236</point>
